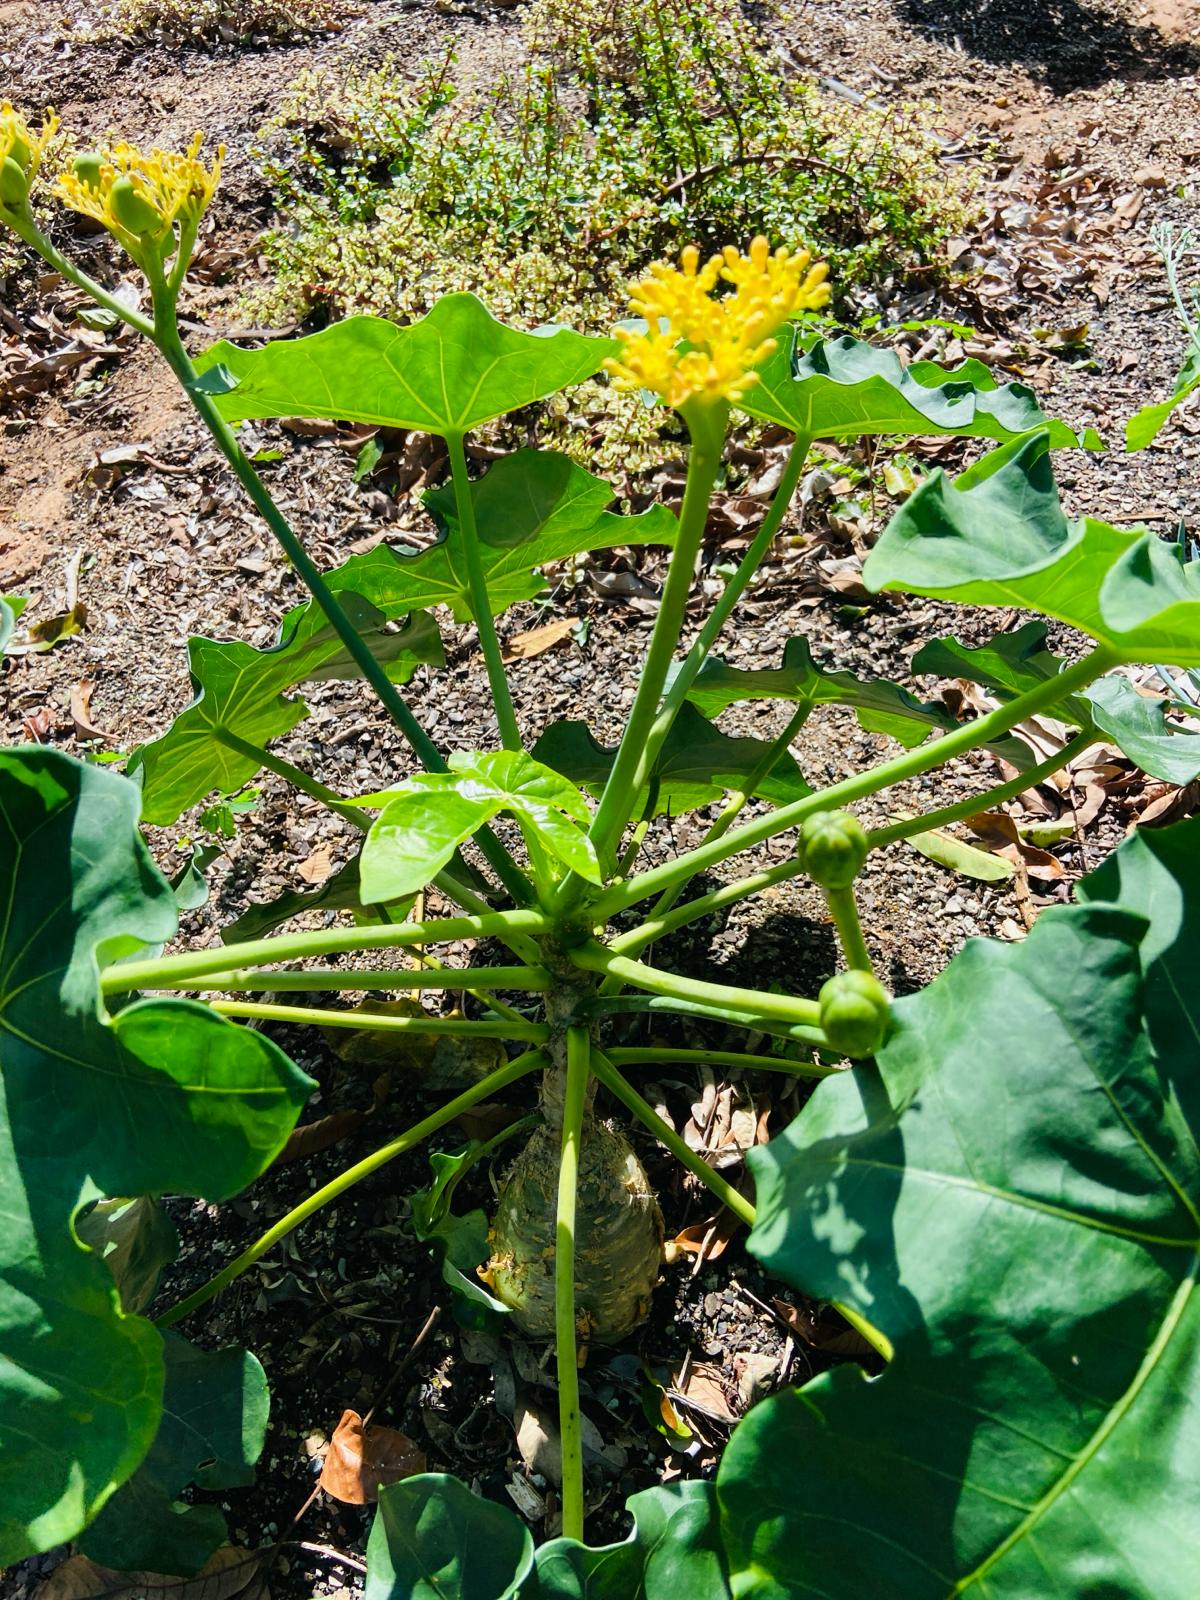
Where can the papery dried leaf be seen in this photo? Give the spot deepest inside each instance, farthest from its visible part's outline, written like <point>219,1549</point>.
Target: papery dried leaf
<point>313,1136</point>
<point>362,1460</point>
<point>228,1574</point>
<point>536,641</point>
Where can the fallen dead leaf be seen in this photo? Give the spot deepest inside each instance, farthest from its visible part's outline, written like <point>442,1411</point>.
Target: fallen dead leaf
<point>362,1460</point>
<point>229,1574</point>
<point>316,868</point>
<point>536,641</point>
<point>326,1131</point>
<point>81,710</point>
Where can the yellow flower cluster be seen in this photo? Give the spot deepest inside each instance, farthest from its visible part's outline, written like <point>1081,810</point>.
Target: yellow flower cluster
<point>699,347</point>
<point>21,151</point>
<point>138,196</point>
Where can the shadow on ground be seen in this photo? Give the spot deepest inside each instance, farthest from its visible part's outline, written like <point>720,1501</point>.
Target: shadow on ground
<point>1067,43</point>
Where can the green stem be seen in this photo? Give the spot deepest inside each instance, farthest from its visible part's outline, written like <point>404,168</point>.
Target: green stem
<point>334,979</point>
<point>685,676</point>
<point>566,1335</point>
<point>481,605</point>
<point>646,1114</point>
<point>128,975</point>
<point>654,1004</point>
<point>492,1084</point>
<point>26,228</point>
<point>705,905</point>
<point>369,1022</point>
<point>169,343</point>
<point>622,787</point>
<point>296,777</point>
<point>749,1002</point>
<point>905,828</point>
<point>635,1056</point>
<point>901,768</point>
<point>844,910</point>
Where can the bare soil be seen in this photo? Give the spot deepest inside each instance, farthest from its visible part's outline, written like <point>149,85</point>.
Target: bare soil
<point>1079,127</point>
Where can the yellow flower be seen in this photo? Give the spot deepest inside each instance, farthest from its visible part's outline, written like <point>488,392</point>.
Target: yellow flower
<point>699,347</point>
<point>21,151</point>
<point>140,197</point>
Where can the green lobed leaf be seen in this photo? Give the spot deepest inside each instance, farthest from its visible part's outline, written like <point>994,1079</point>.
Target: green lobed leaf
<point>239,692</point>
<point>425,819</point>
<point>845,388</point>
<point>698,764</point>
<point>674,1550</point>
<point>1014,663</point>
<point>881,706</point>
<point>1012,1194</point>
<point>214,1423</point>
<point>11,607</point>
<point>165,1096</point>
<point>447,373</point>
<point>432,1539</point>
<point>531,507</point>
<point>997,536</point>
<point>1143,427</point>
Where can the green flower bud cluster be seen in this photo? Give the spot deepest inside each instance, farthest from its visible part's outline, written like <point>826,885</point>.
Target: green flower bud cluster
<point>855,1013</point>
<point>833,848</point>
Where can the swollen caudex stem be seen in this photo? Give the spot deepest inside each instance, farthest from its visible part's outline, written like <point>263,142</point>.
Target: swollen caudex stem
<point>855,1008</point>
<point>618,1225</point>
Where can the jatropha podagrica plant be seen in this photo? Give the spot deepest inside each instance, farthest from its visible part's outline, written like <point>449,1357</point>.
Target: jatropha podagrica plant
<point>997,1181</point>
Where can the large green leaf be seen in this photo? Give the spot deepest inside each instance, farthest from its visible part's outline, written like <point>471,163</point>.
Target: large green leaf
<point>424,820</point>
<point>165,1096</point>
<point>531,507</point>
<point>881,706</point>
<point>673,1551</point>
<point>844,389</point>
<point>214,1421</point>
<point>239,695</point>
<point>453,370</point>
<point>1143,426</point>
<point>1012,1194</point>
<point>698,764</point>
<point>1014,663</point>
<point>433,1539</point>
<point>997,536</point>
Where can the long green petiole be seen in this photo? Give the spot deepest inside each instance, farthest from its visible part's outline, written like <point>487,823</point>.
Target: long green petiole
<point>129,975</point>
<point>750,1002</point>
<point>492,1084</point>
<point>481,605</point>
<point>909,764</point>
<point>971,807</point>
<point>657,1004</point>
<point>263,981</point>
<point>166,336</point>
<point>296,777</point>
<point>707,905</point>
<point>369,1022</point>
<point>566,1337</point>
<point>649,1055</point>
<point>612,1080</point>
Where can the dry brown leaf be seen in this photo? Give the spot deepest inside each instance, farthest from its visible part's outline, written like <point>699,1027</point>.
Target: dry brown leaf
<point>228,1574</point>
<point>823,1330</point>
<point>443,1062</point>
<point>701,1387</point>
<point>536,641</point>
<point>362,1460</point>
<point>999,832</point>
<point>316,868</point>
<point>313,1136</point>
<point>81,710</point>
<point>37,724</point>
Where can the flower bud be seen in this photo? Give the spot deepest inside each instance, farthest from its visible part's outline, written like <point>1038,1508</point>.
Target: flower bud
<point>855,1012</point>
<point>14,184</point>
<point>833,848</point>
<point>87,168</point>
<point>132,210</point>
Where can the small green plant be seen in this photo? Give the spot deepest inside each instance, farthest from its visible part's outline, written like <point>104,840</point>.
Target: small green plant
<point>1001,1192</point>
<point>632,130</point>
<point>229,20</point>
<point>1174,248</point>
